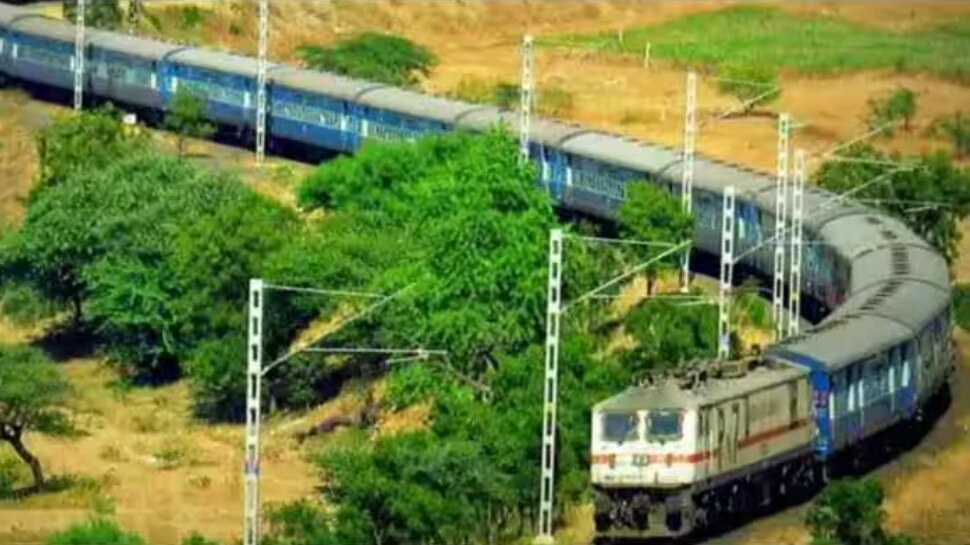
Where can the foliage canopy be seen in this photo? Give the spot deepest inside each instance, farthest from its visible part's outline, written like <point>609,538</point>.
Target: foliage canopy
<point>850,513</point>
<point>186,117</point>
<point>385,58</point>
<point>931,198</point>
<point>898,106</point>
<point>753,85</point>
<point>32,396</point>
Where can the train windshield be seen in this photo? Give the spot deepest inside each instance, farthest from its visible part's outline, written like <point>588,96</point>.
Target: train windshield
<point>621,427</point>
<point>664,424</point>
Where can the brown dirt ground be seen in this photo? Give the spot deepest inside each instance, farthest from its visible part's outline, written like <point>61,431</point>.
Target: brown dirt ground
<point>126,436</point>
<point>127,441</point>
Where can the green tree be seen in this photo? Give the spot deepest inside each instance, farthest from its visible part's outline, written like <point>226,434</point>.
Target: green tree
<point>753,85</point>
<point>85,142</point>
<point>667,335</point>
<point>99,13</point>
<point>957,129</point>
<point>932,198</point>
<point>96,531</point>
<point>157,252</point>
<point>32,396</point>
<point>471,231</point>
<point>186,117</point>
<point>850,513</point>
<point>372,56</point>
<point>412,488</point>
<point>898,106</point>
<point>651,214</point>
<point>46,255</point>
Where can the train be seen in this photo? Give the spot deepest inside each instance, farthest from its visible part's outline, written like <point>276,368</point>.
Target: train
<point>877,296</point>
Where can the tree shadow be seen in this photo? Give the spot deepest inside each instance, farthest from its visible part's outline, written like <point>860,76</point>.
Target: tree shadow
<point>67,340</point>
<point>55,484</point>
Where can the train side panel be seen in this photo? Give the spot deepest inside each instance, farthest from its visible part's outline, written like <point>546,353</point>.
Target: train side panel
<point>741,435</point>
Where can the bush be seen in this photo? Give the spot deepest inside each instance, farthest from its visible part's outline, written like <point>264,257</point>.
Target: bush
<point>96,531</point>
<point>899,106</point>
<point>753,85</point>
<point>11,473</point>
<point>100,13</point>
<point>957,129</point>
<point>196,538</point>
<point>551,101</point>
<point>190,17</point>
<point>850,513</point>
<point>412,384</point>
<point>377,57</point>
<point>25,306</point>
<point>300,522</point>
<point>961,305</point>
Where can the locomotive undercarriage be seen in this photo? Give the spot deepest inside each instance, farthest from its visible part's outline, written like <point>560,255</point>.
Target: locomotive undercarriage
<point>671,513</point>
<point>642,512</point>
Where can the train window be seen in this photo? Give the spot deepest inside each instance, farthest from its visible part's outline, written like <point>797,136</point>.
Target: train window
<point>621,427</point>
<point>904,381</point>
<point>850,384</point>
<point>664,424</point>
<point>42,55</point>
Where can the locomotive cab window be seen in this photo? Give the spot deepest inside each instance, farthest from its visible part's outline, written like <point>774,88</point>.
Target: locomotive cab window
<point>621,427</point>
<point>664,424</point>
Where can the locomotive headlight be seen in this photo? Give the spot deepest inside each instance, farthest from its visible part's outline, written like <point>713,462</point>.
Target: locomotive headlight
<point>641,460</point>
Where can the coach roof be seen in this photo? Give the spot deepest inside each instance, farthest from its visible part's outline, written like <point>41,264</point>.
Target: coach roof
<point>40,25</point>
<point>131,45</point>
<point>216,61</point>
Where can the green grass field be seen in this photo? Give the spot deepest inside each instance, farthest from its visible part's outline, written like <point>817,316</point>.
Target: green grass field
<point>770,38</point>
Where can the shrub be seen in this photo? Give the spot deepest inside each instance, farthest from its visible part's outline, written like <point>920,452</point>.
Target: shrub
<point>24,306</point>
<point>412,384</point>
<point>101,13</point>
<point>957,129</point>
<point>899,106</point>
<point>753,85</point>
<point>190,17</point>
<point>551,101</point>
<point>196,538</point>
<point>850,512</point>
<point>11,472</point>
<point>96,531</point>
<point>372,56</point>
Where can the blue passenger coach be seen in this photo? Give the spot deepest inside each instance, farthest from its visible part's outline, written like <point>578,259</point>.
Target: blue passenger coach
<point>41,52</point>
<point>127,69</point>
<point>227,82</point>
